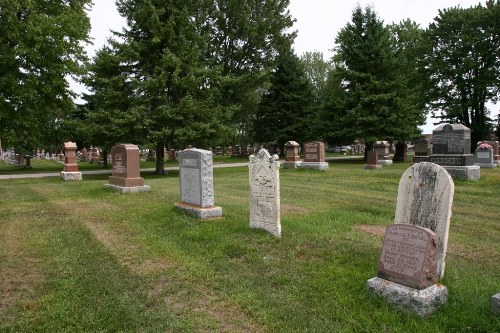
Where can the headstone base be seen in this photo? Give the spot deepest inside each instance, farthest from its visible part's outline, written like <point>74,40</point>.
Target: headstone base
<point>419,302</point>
<point>471,172</point>
<point>292,165</point>
<point>71,175</point>
<point>200,212</point>
<point>323,166</point>
<point>126,189</point>
<point>418,159</point>
<point>495,304</point>
<point>385,162</point>
<point>486,165</point>
<point>372,166</point>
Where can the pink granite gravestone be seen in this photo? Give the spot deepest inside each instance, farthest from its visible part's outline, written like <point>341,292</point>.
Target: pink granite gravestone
<point>314,156</point>
<point>372,161</point>
<point>70,171</point>
<point>125,175</point>
<point>292,159</point>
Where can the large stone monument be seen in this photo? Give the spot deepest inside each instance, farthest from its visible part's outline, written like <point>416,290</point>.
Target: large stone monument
<point>125,175</point>
<point>70,171</point>
<point>197,184</point>
<point>451,149</point>
<point>314,156</point>
<point>264,182</point>
<point>421,149</point>
<point>383,150</point>
<point>292,159</point>
<point>372,161</point>
<point>414,250</point>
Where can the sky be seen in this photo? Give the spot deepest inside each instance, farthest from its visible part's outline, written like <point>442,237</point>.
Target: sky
<point>318,21</point>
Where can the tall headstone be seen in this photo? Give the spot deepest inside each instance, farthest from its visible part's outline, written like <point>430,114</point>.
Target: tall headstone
<point>196,182</point>
<point>421,149</point>
<point>414,250</point>
<point>314,156</point>
<point>264,182</point>
<point>451,149</point>
<point>383,150</point>
<point>292,159</point>
<point>70,171</point>
<point>372,161</point>
<point>125,175</point>
<point>485,155</point>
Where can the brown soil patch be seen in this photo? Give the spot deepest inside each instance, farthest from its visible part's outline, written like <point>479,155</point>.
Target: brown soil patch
<point>293,210</point>
<point>378,230</point>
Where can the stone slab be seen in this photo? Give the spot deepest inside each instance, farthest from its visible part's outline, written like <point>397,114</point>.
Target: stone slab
<point>126,189</point>
<point>292,165</point>
<point>409,256</point>
<point>471,172</point>
<point>452,160</point>
<point>196,177</point>
<point>495,304</point>
<point>200,212</point>
<point>372,166</point>
<point>384,162</point>
<point>418,159</point>
<point>71,175</point>
<point>322,166</point>
<point>409,300</point>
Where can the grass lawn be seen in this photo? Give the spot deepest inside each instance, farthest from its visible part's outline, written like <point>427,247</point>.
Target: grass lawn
<point>76,257</point>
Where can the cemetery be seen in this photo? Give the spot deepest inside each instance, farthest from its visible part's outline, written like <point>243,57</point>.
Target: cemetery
<point>294,255</point>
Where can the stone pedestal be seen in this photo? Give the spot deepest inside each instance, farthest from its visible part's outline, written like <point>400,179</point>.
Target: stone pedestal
<point>410,300</point>
<point>322,166</point>
<point>71,175</point>
<point>200,212</point>
<point>471,172</point>
<point>70,171</point>
<point>292,159</point>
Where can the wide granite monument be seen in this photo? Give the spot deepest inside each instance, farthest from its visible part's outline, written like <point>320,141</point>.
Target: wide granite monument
<point>196,182</point>
<point>451,149</point>
<point>70,171</point>
<point>314,156</point>
<point>414,250</point>
<point>264,182</point>
<point>126,175</point>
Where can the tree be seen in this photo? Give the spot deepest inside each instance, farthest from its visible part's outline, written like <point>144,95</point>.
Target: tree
<point>285,110</point>
<point>317,70</point>
<point>462,62</point>
<point>42,44</point>
<point>370,89</point>
<point>173,87</point>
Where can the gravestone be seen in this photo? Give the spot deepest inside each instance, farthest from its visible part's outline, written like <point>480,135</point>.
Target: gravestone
<point>401,154</point>
<point>85,155</point>
<point>172,155</point>
<point>406,280</point>
<point>197,184</point>
<point>383,150</point>
<point>27,162</point>
<point>314,156</point>
<point>125,175</point>
<point>495,304</point>
<point>495,146</point>
<point>70,171</point>
<point>236,151</point>
<point>372,161</point>
<point>485,156</point>
<point>451,150</point>
<point>94,157</point>
<point>151,156</point>
<point>264,182</point>
<point>292,159</point>
<point>421,149</point>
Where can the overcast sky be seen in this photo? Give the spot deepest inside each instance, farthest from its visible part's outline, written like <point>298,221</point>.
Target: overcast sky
<point>318,21</point>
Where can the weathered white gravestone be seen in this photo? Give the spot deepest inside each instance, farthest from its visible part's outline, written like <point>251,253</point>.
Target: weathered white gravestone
<point>197,184</point>
<point>265,192</point>
<point>413,255</point>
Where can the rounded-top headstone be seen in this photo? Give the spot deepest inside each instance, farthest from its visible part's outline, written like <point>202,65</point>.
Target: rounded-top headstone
<point>425,196</point>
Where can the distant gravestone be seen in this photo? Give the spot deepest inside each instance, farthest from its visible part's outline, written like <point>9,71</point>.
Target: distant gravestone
<point>495,146</point>
<point>70,171</point>
<point>485,156</point>
<point>383,150</point>
<point>292,159</point>
<point>495,304</point>
<point>94,157</point>
<point>451,150</point>
<point>372,161</point>
<point>85,155</point>
<point>421,149</point>
<point>401,154</point>
<point>314,156</point>
<point>409,256</point>
<point>125,175</point>
<point>196,184</point>
<point>265,192</point>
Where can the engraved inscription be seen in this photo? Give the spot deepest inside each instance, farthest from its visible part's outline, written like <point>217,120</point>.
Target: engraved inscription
<point>190,189</point>
<point>119,165</point>
<point>483,154</point>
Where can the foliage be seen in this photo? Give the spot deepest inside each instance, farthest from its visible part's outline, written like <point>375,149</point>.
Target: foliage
<point>42,44</point>
<point>317,70</point>
<point>285,112</point>
<point>462,61</point>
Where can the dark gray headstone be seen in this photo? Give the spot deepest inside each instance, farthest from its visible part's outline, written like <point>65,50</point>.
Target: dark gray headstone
<point>451,139</point>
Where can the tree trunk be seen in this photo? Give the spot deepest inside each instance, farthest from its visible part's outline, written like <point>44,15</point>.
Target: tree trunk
<point>160,170</point>
<point>105,159</point>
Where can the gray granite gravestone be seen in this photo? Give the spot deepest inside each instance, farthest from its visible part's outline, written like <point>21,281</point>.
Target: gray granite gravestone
<point>264,182</point>
<point>451,150</point>
<point>196,182</point>
<point>421,149</point>
<point>485,157</point>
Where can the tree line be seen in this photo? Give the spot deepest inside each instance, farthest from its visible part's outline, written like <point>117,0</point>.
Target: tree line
<point>224,72</point>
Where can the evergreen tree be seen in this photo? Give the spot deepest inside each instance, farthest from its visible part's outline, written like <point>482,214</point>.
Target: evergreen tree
<point>370,90</point>
<point>462,62</point>
<point>285,109</point>
<point>42,43</point>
